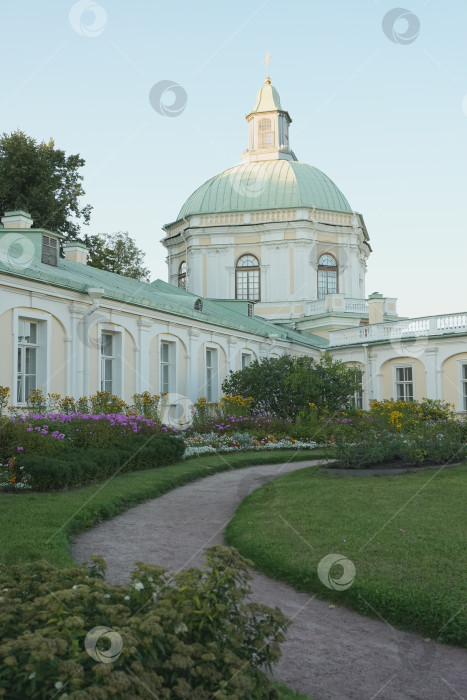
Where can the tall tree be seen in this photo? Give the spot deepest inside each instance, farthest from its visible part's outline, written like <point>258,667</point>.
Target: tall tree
<point>117,253</point>
<point>44,181</point>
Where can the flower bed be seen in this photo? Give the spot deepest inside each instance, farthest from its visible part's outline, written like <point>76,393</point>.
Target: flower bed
<point>212,443</point>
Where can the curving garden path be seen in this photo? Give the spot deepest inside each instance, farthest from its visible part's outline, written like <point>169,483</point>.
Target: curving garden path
<point>330,654</point>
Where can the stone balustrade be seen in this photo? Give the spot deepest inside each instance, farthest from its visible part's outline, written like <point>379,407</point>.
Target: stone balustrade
<point>410,328</point>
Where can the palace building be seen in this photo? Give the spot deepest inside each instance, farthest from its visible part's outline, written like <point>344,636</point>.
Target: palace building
<point>265,258</point>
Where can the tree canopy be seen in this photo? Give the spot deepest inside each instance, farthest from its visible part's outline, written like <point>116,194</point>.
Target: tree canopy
<point>117,253</point>
<point>44,181</point>
<point>284,386</point>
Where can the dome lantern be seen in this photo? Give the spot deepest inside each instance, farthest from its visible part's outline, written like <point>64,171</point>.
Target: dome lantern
<point>268,135</point>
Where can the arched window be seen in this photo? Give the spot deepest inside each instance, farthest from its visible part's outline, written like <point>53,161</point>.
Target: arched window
<point>182,275</point>
<point>265,132</point>
<point>247,278</point>
<point>327,275</point>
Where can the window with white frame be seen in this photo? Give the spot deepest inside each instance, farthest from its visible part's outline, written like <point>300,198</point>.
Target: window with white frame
<point>464,387</point>
<point>404,383</point>
<point>247,280</point>
<point>107,362</point>
<point>167,367</point>
<point>212,366</point>
<point>246,359</point>
<point>49,254</point>
<point>265,132</point>
<point>27,359</point>
<point>327,275</point>
<point>356,401</point>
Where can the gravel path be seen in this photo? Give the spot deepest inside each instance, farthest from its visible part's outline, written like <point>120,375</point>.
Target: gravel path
<point>330,654</point>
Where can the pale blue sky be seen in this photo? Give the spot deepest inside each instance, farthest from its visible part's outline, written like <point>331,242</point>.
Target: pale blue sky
<point>385,121</point>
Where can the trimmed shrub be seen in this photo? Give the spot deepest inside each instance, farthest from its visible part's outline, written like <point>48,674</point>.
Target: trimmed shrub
<point>81,465</point>
<point>186,635</point>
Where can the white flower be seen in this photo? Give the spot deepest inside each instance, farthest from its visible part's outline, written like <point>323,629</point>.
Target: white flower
<point>181,627</point>
<point>59,685</point>
<point>74,587</point>
<point>154,597</point>
<point>139,586</point>
<point>150,579</point>
<point>127,597</point>
<point>32,675</point>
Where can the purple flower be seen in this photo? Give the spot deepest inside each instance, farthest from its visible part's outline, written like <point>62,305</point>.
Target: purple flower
<point>20,449</point>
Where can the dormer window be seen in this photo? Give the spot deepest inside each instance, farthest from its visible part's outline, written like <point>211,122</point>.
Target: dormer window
<point>49,251</point>
<point>199,305</point>
<point>265,132</point>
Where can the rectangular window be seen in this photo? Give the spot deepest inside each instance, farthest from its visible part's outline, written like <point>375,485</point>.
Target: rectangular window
<point>49,251</point>
<point>357,399</point>
<point>27,359</point>
<point>211,375</point>
<point>404,383</point>
<point>107,362</point>
<point>167,367</point>
<point>464,387</point>
<point>327,283</point>
<point>246,359</point>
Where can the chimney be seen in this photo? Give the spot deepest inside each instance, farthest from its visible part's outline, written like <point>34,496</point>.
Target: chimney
<point>75,251</point>
<point>17,219</point>
<point>375,308</point>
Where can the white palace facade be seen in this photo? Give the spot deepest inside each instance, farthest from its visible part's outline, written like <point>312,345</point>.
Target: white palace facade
<point>265,258</point>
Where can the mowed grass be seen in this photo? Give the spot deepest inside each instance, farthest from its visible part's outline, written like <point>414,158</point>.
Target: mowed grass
<point>406,536</point>
<point>40,525</point>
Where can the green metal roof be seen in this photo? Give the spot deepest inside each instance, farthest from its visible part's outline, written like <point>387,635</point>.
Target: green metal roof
<point>157,295</point>
<point>271,184</point>
<point>267,99</point>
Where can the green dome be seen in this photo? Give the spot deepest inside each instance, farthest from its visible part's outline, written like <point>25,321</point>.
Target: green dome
<point>271,184</point>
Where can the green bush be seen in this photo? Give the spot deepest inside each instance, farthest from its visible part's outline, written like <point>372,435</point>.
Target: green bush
<point>430,444</point>
<point>284,386</point>
<point>186,635</point>
<point>81,465</point>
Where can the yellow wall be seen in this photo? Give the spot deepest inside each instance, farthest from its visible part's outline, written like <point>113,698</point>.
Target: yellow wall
<point>451,379</point>
<point>418,375</point>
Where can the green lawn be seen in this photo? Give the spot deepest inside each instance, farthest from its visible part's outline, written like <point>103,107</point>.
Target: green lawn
<point>39,525</point>
<point>406,536</point>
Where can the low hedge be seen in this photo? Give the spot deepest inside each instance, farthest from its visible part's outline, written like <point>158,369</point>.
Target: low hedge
<point>185,635</point>
<point>81,465</point>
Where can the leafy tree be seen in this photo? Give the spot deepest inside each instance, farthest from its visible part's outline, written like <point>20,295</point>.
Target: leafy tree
<point>283,386</point>
<point>328,383</point>
<point>264,380</point>
<point>44,181</point>
<point>117,253</point>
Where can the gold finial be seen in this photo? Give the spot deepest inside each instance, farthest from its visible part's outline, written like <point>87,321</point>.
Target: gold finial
<point>266,63</point>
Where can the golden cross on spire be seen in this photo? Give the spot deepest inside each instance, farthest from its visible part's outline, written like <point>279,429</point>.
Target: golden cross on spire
<point>266,62</point>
